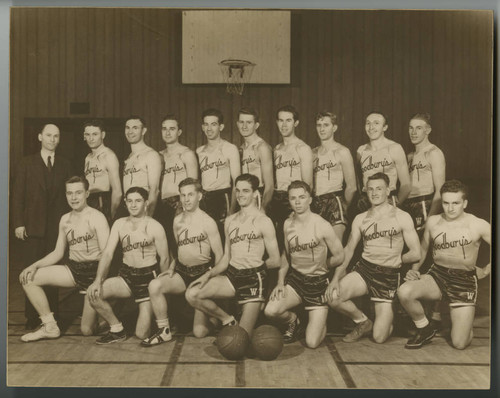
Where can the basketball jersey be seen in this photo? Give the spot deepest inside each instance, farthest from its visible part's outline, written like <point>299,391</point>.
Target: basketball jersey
<point>214,167</point>
<point>375,161</point>
<point>174,171</point>
<point>382,239</point>
<point>135,172</point>
<point>328,174</point>
<point>139,249</point>
<point>307,251</point>
<point>82,238</point>
<point>421,172</point>
<point>246,243</point>
<point>192,241</point>
<point>96,172</point>
<point>453,244</point>
<point>250,161</point>
<point>287,164</point>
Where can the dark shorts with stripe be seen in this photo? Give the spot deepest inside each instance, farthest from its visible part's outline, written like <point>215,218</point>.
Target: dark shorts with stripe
<point>382,282</point>
<point>310,288</point>
<point>249,284</point>
<point>137,279</point>
<point>458,286</point>
<point>83,273</point>
<point>279,209</point>
<point>217,203</point>
<point>332,207</point>
<point>102,202</point>
<point>418,208</point>
<point>364,203</point>
<point>191,273</point>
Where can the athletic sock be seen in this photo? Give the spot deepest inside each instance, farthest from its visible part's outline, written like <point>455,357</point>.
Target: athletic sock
<point>163,323</point>
<point>421,323</point>
<point>362,319</point>
<point>49,321</point>
<point>117,328</point>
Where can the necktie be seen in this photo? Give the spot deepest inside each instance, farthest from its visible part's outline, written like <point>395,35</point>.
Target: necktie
<point>49,164</point>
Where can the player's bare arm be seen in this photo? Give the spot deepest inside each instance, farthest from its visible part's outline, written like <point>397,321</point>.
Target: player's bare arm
<point>347,163</point>
<point>414,273</point>
<point>190,163</point>
<point>438,165</point>
<point>213,238</point>
<point>154,166</point>
<point>279,289</point>
<point>101,227</point>
<point>265,154</point>
<point>398,155</point>
<point>410,237</point>
<point>306,163</point>
<point>161,244</point>
<point>327,233</point>
<point>266,226</point>
<point>232,153</point>
<point>113,167</point>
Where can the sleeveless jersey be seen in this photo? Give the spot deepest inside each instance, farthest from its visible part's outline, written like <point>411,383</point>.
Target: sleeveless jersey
<point>82,238</point>
<point>421,172</point>
<point>135,172</point>
<point>174,171</point>
<point>307,251</point>
<point>328,174</point>
<point>382,239</point>
<point>453,244</point>
<point>192,241</point>
<point>95,171</point>
<point>246,243</point>
<point>250,161</point>
<point>214,168</point>
<point>378,161</point>
<point>139,249</point>
<point>287,164</point>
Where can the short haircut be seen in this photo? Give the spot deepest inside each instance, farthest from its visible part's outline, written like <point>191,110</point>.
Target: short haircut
<point>249,111</point>
<point>135,117</point>
<point>422,116</point>
<point>141,191</point>
<point>455,186</point>
<point>191,181</point>
<point>250,178</point>
<point>300,184</point>
<point>76,179</point>
<point>386,120</point>
<point>288,108</point>
<point>379,176</point>
<point>94,123</point>
<point>212,112</point>
<point>332,116</point>
<point>172,117</point>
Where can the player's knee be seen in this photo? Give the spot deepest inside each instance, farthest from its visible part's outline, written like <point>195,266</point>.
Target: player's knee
<point>192,296</point>
<point>271,311</point>
<point>154,287</point>
<point>405,292</point>
<point>313,341</point>
<point>334,302</point>
<point>461,342</point>
<point>380,337</point>
<point>87,330</point>
<point>200,331</point>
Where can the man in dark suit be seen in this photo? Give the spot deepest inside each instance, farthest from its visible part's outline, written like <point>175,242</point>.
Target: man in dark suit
<point>39,201</point>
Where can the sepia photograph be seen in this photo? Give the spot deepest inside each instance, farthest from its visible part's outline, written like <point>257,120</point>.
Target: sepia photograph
<point>250,198</point>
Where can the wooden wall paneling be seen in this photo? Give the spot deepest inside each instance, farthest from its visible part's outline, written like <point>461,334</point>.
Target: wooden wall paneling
<point>398,82</point>
<point>126,61</point>
<point>98,66</point>
<point>333,67</point>
<point>349,74</point>
<point>328,34</point>
<point>448,110</point>
<point>353,132</point>
<point>378,63</point>
<point>32,61</point>
<point>368,105</point>
<point>81,49</point>
<point>440,130</point>
<point>413,102</point>
<point>42,62</point>
<point>118,43</point>
<point>384,77</point>
<point>71,15</point>
<point>91,61</point>
<point>18,84</point>
<point>108,57</point>
<point>149,95</point>
<point>405,95</point>
<point>425,66</point>
<point>136,76</point>
<point>456,90</point>
<point>62,55</point>
<point>53,104</point>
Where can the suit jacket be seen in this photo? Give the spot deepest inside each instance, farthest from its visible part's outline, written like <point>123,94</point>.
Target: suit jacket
<point>30,206</point>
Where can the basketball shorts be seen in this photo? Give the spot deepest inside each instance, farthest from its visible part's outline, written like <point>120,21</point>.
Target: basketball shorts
<point>137,280</point>
<point>364,203</point>
<point>191,273</point>
<point>332,207</point>
<point>279,211</point>
<point>382,282</point>
<point>102,202</point>
<point>216,204</point>
<point>83,274</point>
<point>458,286</point>
<point>249,284</point>
<point>418,208</point>
<point>310,288</point>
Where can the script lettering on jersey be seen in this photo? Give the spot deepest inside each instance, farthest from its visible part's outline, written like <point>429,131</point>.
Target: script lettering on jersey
<point>127,246</point>
<point>186,239</point>
<point>280,163</point>
<point>368,164</point>
<point>174,169</point>
<point>72,240</point>
<point>131,171</point>
<point>441,243</point>
<point>235,237</point>
<point>246,161</point>
<point>375,234</point>
<point>320,167</point>
<point>205,165</point>
<point>92,170</point>
<point>416,166</point>
<point>295,246</point>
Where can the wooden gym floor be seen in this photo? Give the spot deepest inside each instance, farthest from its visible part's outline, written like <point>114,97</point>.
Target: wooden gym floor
<point>74,360</point>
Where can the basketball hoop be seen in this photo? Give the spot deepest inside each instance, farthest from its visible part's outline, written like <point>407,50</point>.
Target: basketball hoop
<point>236,73</point>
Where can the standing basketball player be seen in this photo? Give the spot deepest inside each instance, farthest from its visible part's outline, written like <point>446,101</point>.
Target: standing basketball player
<point>179,162</point>
<point>85,230</point>
<point>332,166</point>
<point>382,155</point>
<point>143,166</point>
<point>455,237</point>
<point>384,229</point>
<point>256,154</point>
<point>308,237</point>
<point>249,234</point>
<point>101,171</point>
<point>197,237</point>
<point>292,161</point>
<point>219,165</point>
<point>142,239</point>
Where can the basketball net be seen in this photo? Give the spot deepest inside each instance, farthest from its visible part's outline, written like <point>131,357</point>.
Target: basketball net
<point>236,73</point>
